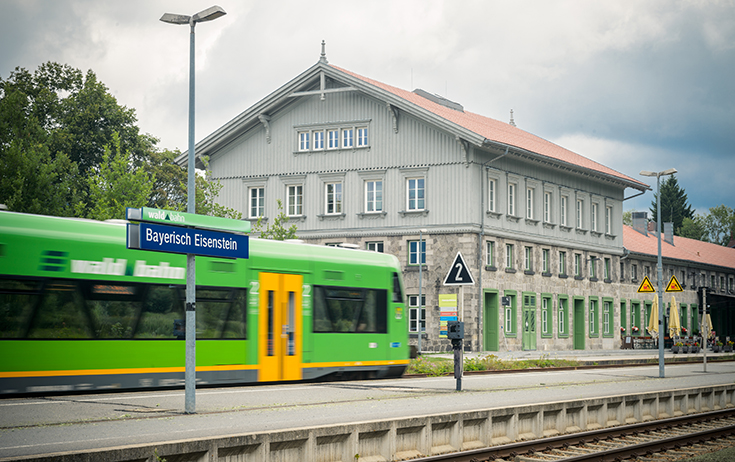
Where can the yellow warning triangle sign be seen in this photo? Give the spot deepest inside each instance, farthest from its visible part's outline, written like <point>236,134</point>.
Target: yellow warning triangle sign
<point>673,285</point>
<point>646,286</point>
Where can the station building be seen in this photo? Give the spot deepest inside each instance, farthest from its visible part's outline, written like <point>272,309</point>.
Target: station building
<point>539,228</point>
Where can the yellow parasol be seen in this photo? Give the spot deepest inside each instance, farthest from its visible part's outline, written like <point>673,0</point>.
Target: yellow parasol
<point>653,321</point>
<point>674,323</point>
<point>709,324</point>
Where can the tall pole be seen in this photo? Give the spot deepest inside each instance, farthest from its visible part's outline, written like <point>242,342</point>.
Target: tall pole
<point>659,275</point>
<point>190,370</point>
<point>421,285</point>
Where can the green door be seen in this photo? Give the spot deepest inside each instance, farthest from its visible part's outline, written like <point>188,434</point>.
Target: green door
<point>579,324</point>
<point>491,321</point>
<point>529,321</point>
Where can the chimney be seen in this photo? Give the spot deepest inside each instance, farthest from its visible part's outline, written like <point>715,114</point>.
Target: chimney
<point>669,233</point>
<point>651,226</point>
<point>640,219</point>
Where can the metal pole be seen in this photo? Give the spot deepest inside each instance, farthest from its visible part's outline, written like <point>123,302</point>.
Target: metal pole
<point>421,285</point>
<point>190,370</point>
<point>659,271</point>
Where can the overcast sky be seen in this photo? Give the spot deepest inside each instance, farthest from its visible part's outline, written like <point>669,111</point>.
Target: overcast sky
<point>635,85</point>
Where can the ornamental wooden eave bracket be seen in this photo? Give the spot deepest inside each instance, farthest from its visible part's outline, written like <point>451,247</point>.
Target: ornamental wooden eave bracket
<point>466,148</point>
<point>393,111</point>
<point>266,121</point>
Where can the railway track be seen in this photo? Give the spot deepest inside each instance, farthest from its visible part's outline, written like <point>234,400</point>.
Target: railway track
<point>661,440</point>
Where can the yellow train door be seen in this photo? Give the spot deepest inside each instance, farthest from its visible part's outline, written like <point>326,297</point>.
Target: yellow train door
<point>280,327</point>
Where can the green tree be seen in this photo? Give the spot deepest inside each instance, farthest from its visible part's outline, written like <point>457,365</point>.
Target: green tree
<point>719,224</point>
<point>694,228</point>
<point>117,184</point>
<point>278,230</point>
<point>674,206</point>
<point>628,217</point>
<point>63,119</point>
<point>32,180</point>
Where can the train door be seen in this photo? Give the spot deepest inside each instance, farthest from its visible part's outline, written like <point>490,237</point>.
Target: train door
<point>280,327</point>
<point>491,321</point>
<point>579,323</point>
<point>529,322</point>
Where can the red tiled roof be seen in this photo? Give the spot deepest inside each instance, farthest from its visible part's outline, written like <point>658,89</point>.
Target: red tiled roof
<point>683,248</point>
<point>497,131</point>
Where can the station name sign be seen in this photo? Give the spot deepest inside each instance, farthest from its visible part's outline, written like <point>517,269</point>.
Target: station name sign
<point>186,233</point>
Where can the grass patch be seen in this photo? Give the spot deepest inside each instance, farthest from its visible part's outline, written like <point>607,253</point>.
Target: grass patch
<point>435,366</point>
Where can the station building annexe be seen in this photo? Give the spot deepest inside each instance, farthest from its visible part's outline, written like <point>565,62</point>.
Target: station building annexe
<point>355,161</point>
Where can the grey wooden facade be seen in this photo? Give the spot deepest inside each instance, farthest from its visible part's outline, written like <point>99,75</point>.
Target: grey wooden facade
<point>261,156</point>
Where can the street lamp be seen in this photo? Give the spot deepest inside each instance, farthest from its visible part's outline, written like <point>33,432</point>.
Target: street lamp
<point>659,267</point>
<point>209,14</point>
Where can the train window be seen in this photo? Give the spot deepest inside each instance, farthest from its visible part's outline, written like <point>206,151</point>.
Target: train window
<point>17,299</point>
<point>114,307</point>
<point>344,309</point>
<point>162,314</point>
<point>220,313</point>
<point>58,315</point>
<point>397,292</point>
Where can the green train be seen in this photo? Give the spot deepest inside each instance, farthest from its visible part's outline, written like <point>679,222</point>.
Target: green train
<point>80,311</point>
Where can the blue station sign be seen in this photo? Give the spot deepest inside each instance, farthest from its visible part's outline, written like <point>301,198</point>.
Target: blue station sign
<point>176,239</point>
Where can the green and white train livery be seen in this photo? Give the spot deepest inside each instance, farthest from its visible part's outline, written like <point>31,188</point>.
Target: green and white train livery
<point>79,311</point>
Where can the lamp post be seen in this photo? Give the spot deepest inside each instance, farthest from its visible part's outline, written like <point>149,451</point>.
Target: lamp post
<point>209,14</point>
<point>659,267</point>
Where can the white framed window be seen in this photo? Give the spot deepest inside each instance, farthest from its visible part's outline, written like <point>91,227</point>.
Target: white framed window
<point>545,316</point>
<point>362,137</point>
<point>415,194</point>
<point>509,256</point>
<point>580,205</point>
<point>529,259</point>
<point>606,325</point>
<point>545,257</point>
<point>348,137</point>
<point>376,246</point>
<point>562,315</point>
<point>547,207</point>
<point>529,203</point>
<point>333,198</point>
<point>318,141</point>
<point>509,320</point>
<point>491,194</point>
<point>562,263</point>
<point>304,138</point>
<point>295,200</point>
<point>257,202</point>
<point>593,217</point>
<point>332,139</point>
<point>415,311</point>
<point>563,209</point>
<point>373,196</point>
<point>416,252</point>
<point>608,219</point>
<point>490,253</point>
<point>511,199</point>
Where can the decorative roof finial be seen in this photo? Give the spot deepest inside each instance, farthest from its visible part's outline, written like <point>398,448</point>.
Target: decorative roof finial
<point>323,58</point>
<point>512,122</point>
